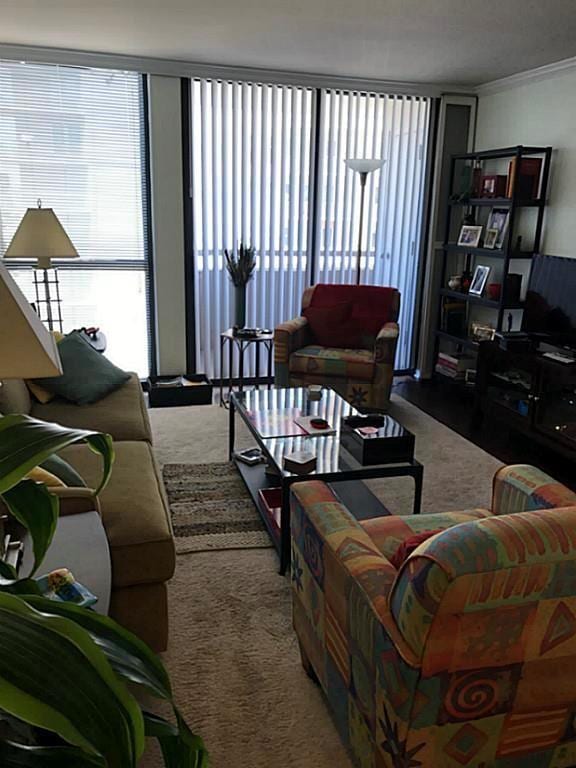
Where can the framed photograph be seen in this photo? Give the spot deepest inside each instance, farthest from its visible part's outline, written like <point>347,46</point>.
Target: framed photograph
<point>491,237</point>
<point>498,219</point>
<point>470,235</point>
<point>480,332</point>
<point>479,280</point>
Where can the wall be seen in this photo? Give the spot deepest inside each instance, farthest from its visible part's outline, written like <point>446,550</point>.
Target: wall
<point>540,113</point>
<point>165,122</point>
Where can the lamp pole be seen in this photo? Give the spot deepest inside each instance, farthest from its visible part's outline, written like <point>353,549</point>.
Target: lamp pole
<point>363,177</point>
<point>363,167</point>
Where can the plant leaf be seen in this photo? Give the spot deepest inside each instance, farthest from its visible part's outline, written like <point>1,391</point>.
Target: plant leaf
<point>20,587</point>
<point>7,571</point>
<point>180,747</point>
<point>37,510</point>
<point>14,755</point>
<point>53,676</point>
<point>26,442</point>
<point>127,654</point>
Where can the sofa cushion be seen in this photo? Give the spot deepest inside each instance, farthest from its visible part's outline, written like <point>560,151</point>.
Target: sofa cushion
<point>88,376</point>
<point>409,545</point>
<point>14,397</point>
<point>389,532</point>
<point>122,413</point>
<point>328,361</point>
<point>63,470</point>
<point>134,512</point>
<point>329,324</point>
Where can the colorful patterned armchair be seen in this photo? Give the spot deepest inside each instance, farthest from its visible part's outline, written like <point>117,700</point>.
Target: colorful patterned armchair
<point>466,655</point>
<point>357,356</point>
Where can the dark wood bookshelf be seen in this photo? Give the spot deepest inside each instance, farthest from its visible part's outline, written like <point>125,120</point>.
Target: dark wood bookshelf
<point>506,254</point>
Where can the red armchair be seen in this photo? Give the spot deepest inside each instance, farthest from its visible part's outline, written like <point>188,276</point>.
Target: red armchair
<point>345,339</point>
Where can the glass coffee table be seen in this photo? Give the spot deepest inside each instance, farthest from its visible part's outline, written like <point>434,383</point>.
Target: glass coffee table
<point>270,417</point>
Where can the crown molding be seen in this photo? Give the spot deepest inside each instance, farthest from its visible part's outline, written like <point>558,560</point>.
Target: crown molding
<point>181,68</point>
<point>529,76</point>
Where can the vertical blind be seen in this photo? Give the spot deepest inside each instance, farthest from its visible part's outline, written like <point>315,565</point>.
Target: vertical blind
<point>250,171</point>
<point>255,150</point>
<point>74,138</point>
<point>395,129</point>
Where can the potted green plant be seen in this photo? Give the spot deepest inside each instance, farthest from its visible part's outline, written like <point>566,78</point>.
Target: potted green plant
<point>240,266</point>
<point>64,670</point>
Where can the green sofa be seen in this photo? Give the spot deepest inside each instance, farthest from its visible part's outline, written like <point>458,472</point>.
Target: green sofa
<point>134,509</point>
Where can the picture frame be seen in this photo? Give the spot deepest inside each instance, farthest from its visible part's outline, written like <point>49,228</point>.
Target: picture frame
<point>470,235</point>
<point>479,280</point>
<point>498,219</point>
<point>481,332</point>
<point>490,238</point>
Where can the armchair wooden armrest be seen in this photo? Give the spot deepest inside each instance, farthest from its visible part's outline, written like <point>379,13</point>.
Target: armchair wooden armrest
<point>289,337</point>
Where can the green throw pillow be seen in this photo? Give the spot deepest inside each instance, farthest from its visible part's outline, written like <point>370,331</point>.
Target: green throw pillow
<point>63,471</point>
<point>88,376</point>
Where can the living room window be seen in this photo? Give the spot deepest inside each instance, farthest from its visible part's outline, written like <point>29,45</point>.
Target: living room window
<point>74,138</point>
<point>267,168</point>
<point>250,176</point>
<point>370,125</point>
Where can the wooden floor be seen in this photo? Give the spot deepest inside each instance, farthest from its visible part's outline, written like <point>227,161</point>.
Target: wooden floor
<point>453,406</point>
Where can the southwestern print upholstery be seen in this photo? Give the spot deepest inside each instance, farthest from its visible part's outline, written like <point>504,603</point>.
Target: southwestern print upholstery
<point>363,375</point>
<point>466,656</point>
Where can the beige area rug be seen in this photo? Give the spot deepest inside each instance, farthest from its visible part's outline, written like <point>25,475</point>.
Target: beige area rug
<point>211,508</point>
<point>233,657</point>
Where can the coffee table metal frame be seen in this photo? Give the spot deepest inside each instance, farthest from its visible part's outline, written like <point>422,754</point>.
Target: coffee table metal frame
<point>256,479</point>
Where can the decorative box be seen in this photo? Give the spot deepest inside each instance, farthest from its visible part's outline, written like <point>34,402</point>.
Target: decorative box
<point>167,391</point>
<point>493,185</point>
<point>300,462</point>
<point>389,444</point>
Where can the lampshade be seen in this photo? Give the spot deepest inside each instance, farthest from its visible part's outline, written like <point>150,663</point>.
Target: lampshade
<point>41,236</point>
<point>27,349</point>
<point>364,166</point>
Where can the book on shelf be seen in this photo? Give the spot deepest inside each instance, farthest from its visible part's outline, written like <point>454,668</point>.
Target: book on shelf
<point>528,178</point>
<point>457,363</point>
<point>451,373</point>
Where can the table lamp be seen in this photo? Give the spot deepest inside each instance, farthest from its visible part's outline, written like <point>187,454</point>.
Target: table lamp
<point>27,349</point>
<point>41,236</point>
<point>363,167</point>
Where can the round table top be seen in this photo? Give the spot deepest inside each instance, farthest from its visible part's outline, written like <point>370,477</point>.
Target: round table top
<point>229,334</point>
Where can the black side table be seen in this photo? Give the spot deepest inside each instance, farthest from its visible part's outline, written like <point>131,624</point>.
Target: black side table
<point>242,343</point>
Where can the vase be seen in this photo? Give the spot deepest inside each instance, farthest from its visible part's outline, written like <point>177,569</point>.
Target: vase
<point>454,282</point>
<point>240,306</point>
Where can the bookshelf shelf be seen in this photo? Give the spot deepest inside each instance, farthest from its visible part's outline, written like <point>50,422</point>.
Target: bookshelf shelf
<point>487,253</point>
<point>497,202</point>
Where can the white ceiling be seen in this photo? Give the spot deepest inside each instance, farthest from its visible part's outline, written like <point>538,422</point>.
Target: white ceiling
<point>427,41</point>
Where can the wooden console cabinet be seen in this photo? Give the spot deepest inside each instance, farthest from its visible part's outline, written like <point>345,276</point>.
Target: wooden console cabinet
<point>530,393</point>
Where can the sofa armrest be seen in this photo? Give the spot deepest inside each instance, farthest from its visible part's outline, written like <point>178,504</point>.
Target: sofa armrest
<point>521,487</point>
<point>289,337</point>
<point>76,500</point>
<point>328,543</point>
